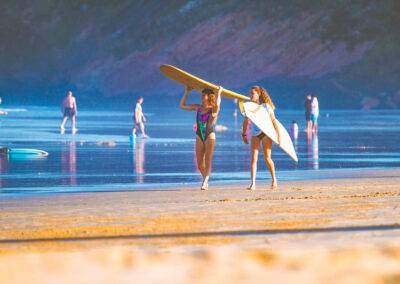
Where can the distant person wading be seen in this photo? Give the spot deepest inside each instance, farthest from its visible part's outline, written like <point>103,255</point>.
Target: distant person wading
<point>139,119</point>
<point>206,114</point>
<point>307,108</point>
<point>70,110</point>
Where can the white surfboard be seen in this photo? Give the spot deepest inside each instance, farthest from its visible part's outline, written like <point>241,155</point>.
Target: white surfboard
<point>23,152</point>
<point>260,117</point>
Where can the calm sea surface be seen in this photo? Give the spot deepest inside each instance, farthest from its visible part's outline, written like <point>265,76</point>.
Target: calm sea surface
<point>100,157</point>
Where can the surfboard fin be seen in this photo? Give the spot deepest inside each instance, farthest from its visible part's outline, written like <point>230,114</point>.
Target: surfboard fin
<point>241,107</point>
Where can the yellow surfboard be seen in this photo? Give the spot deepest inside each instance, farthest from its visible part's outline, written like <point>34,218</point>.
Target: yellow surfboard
<point>195,83</point>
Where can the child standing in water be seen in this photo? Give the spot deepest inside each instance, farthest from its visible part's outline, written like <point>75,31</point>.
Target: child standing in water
<point>70,110</point>
<point>294,130</point>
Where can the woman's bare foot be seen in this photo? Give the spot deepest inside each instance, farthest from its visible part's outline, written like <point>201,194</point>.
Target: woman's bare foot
<point>274,184</point>
<point>204,186</point>
<point>252,187</point>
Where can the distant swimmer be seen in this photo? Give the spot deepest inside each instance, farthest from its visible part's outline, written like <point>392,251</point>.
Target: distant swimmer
<point>139,118</point>
<point>70,110</point>
<point>260,96</point>
<point>2,112</point>
<point>307,107</point>
<point>206,114</point>
<point>314,113</point>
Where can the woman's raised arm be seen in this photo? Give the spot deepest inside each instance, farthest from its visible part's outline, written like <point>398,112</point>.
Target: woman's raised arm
<point>217,101</point>
<point>183,104</point>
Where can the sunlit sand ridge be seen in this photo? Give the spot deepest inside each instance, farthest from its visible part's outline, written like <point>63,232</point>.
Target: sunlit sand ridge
<point>305,230</point>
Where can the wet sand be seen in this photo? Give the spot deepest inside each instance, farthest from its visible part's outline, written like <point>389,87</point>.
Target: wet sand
<point>343,230</point>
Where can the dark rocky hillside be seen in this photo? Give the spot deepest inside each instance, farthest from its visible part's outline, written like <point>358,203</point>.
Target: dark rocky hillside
<point>345,52</point>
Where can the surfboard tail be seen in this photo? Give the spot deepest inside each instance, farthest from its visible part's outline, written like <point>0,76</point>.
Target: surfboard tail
<point>260,117</point>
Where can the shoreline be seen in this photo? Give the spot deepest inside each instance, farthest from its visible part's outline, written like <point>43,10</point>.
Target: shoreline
<point>291,176</point>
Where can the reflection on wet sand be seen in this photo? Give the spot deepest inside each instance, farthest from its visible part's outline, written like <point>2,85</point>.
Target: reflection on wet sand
<point>312,150</point>
<point>68,162</point>
<point>315,152</point>
<point>139,159</point>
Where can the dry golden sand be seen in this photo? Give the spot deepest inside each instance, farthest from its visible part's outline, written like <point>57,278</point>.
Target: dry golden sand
<point>311,231</point>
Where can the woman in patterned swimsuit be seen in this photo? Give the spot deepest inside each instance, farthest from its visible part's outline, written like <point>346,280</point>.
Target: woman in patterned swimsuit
<point>206,114</point>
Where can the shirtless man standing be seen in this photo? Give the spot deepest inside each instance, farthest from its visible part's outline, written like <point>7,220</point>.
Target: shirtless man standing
<point>69,109</point>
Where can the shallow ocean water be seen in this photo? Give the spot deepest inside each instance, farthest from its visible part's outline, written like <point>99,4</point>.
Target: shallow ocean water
<point>101,157</point>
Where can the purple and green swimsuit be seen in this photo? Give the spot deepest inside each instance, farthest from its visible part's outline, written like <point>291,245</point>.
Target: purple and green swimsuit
<point>204,124</point>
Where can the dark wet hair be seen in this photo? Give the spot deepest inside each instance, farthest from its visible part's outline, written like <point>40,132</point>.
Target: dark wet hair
<point>211,96</point>
<point>208,91</point>
<point>139,98</point>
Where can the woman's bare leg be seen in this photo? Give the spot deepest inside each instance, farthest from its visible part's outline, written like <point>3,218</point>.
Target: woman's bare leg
<point>209,150</point>
<point>200,149</point>
<point>267,145</point>
<point>255,145</point>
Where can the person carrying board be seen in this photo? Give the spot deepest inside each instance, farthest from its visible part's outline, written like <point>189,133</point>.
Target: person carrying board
<point>206,115</point>
<point>260,96</point>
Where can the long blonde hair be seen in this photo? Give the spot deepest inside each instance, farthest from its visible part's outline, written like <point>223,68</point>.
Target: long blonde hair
<point>264,97</point>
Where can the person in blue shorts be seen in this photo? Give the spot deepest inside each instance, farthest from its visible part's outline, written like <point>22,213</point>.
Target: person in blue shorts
<point>314,113</point>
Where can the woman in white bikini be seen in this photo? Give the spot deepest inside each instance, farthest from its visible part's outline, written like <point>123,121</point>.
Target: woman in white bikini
<point>260,96</point>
